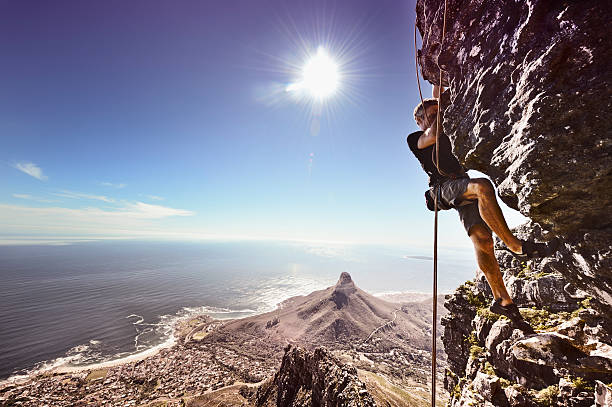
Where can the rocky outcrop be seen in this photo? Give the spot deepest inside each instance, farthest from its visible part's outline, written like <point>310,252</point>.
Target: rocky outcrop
<point>490,361</point>
<point>528,102</point>
<point>313,379</point>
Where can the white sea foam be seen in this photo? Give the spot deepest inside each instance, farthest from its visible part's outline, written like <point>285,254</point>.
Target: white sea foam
<point>73,356</point>
<point>117,360</point>
<point>141,319</point>
<point>215,310</point>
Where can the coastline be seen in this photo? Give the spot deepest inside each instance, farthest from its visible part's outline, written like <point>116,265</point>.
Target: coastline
<point>208,358</point>
<point>63,367</point>
<point>137,357</point>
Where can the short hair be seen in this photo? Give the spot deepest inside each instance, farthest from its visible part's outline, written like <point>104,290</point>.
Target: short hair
<point>421,107</point>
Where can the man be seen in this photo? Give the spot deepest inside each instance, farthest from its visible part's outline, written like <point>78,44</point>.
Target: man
<point>476,203</point>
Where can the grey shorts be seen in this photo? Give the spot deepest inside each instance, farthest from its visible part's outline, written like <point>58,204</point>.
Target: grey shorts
<point>451,192</point>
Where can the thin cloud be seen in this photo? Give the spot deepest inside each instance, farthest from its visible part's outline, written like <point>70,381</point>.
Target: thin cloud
<point>155,197</point>
<point>33,198</point>
<point>149,211</point>
<point>113,185</point>
<point>129,220</point>
<point>31,169</point>
<point>80,195</point>
<point>23,196</point>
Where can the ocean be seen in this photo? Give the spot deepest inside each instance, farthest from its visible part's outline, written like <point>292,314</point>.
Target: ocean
<point>91,302</point>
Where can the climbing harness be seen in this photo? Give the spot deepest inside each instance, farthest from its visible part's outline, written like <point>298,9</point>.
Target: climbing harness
<point>436,193</point>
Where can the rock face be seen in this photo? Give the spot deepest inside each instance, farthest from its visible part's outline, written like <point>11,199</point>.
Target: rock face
<point>313,379</point>
<point>528,104</point>
<point>343,290</point>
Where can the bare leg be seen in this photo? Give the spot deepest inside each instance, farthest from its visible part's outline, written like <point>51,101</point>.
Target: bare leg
<point>487,263</point>
<point>482,190</point>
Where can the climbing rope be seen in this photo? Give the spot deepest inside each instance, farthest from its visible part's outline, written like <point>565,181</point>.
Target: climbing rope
<point>434,330</point>
<point>440,95</point>
<point>416,66</point>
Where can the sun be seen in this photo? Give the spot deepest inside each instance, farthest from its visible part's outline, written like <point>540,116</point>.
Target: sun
<point>320,77</point>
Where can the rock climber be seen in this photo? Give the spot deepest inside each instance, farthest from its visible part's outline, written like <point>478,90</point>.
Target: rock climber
<point>475,201</point>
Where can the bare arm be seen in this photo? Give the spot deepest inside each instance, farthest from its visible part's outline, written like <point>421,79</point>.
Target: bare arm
<point>428,137</point>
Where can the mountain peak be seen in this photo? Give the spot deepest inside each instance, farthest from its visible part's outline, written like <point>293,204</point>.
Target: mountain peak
<point>345,279</point>
<point>343,290</point>
<point>337,316</point>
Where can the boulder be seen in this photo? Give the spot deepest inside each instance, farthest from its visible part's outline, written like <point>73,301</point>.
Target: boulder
<point>481,326</point>
<point>501,330</point>
<point>516,396</point>
<point>457,328</point>
<point>548,290</point>
<point>603,394</point>
<point>536,359</point>
<point>487,386</point>
<point>571,395</point>
<point>473,366</point>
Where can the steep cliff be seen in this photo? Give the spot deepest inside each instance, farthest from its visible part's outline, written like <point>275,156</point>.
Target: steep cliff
<point>528,102</point>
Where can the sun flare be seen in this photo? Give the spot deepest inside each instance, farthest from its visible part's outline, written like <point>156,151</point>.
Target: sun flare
<point>320,77</point>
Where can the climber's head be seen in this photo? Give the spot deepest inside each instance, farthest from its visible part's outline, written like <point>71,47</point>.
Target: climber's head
<point>425,113</point>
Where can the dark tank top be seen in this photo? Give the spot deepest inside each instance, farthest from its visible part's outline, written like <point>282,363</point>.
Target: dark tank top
<point>448,162</point>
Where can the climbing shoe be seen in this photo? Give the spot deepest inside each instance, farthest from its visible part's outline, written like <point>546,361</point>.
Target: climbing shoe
<point>533,250</point>
<point>511,311</point>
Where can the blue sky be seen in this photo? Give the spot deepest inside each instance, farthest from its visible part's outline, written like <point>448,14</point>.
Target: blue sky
<point>169,120</point>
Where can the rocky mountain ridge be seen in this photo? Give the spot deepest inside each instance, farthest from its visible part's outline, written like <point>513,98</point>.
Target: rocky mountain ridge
<point>313,379</point>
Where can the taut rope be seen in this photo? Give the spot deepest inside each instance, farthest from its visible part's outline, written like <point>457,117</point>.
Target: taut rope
<point>434,330</point>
